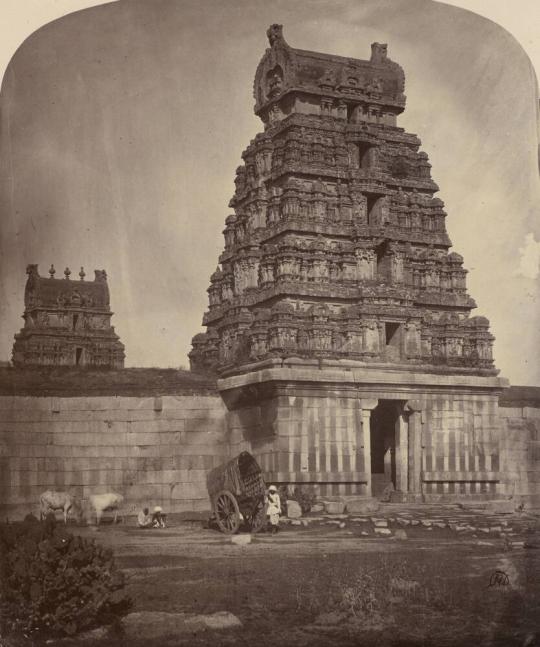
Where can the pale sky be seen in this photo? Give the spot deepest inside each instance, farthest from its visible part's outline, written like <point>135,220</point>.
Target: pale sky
<point>122,127</point>
<point>22,17</point>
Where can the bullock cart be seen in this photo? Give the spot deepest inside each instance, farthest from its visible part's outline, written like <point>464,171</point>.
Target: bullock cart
<point>237,494</point>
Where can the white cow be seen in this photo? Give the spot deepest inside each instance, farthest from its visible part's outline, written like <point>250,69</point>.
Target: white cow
<point>101,502</point>
<point>51,501</point>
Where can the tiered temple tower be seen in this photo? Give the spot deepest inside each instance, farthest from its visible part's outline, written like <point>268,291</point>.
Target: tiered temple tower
<point>67,323</point>
<point>338,319</point>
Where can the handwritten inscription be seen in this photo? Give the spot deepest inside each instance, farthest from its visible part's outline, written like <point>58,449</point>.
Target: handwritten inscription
<point>499,578</point>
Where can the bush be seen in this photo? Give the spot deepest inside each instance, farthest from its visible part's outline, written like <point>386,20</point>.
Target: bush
<point>55,583</point>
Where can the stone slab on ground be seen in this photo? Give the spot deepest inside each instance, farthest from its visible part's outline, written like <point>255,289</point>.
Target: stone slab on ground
<point>334,507</point>
<point>152,624</point>
<point>501,507</point>
<point>362,505</point>
<point>294,511</point>
<point>241,540</point>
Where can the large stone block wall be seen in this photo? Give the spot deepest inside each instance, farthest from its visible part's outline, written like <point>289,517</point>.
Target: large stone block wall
<point>520,444</point>
<point>158,450</point>
<point>154,450</point>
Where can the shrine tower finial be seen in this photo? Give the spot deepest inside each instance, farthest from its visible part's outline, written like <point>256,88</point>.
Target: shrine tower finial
<point>275,34</point>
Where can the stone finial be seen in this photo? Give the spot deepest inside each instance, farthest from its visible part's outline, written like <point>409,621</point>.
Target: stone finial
<point>52,271</point>
<point>82,274</point>
<point>275,34</point>
<point>379,52</point>
<point>67,272</point>
<point>100,276</point>
<point>32,270</point>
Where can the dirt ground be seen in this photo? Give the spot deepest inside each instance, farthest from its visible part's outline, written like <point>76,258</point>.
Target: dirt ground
<point>335,582</point>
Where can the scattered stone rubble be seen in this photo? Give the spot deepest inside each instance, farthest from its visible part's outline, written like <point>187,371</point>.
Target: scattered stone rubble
<point>400,522</point>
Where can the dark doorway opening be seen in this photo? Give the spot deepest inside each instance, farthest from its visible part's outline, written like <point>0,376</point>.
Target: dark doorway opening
<point>373,208</point>
<point>383,425</point>
<point>392,336</point>
<point>393,341</point>
<point>78,356</point>
<point>383,262</point>
<point>364,155</point>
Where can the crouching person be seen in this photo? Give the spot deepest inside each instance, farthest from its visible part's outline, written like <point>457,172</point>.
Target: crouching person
<point>144,520</point>
<point>273,509</point>
<point>158,518</point>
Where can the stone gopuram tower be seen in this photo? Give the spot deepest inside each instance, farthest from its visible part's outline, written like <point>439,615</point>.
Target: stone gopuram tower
<point>67,323</point>
<point>339,323</point>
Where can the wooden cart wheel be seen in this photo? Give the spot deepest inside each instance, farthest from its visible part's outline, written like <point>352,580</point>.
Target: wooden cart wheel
<point>258,518</point>
<point>227,512</point>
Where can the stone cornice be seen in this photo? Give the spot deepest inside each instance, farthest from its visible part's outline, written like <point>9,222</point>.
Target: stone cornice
<point>365,376</point>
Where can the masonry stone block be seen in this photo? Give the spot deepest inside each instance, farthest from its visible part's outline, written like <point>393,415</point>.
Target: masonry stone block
<point>146,452</point>
<point>7,403</point>
<point>202,424</point>
<point>188,490</point>
<point>75,416</point>
<point>188,402</point>
<point>146,493</point>
<point>139,414</point>
<point>142,438</point>
<point>531,413</point>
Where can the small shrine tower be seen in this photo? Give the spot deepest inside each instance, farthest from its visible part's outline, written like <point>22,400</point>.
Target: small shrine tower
<point>339,321</point>
<point>67,323</point>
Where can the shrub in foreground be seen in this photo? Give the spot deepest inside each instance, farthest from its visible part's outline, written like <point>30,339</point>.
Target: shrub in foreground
<point>55,583</point>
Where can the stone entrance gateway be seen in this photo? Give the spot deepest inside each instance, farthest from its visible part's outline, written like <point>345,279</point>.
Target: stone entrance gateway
<point>339,321</point>
<point>435,437</point>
